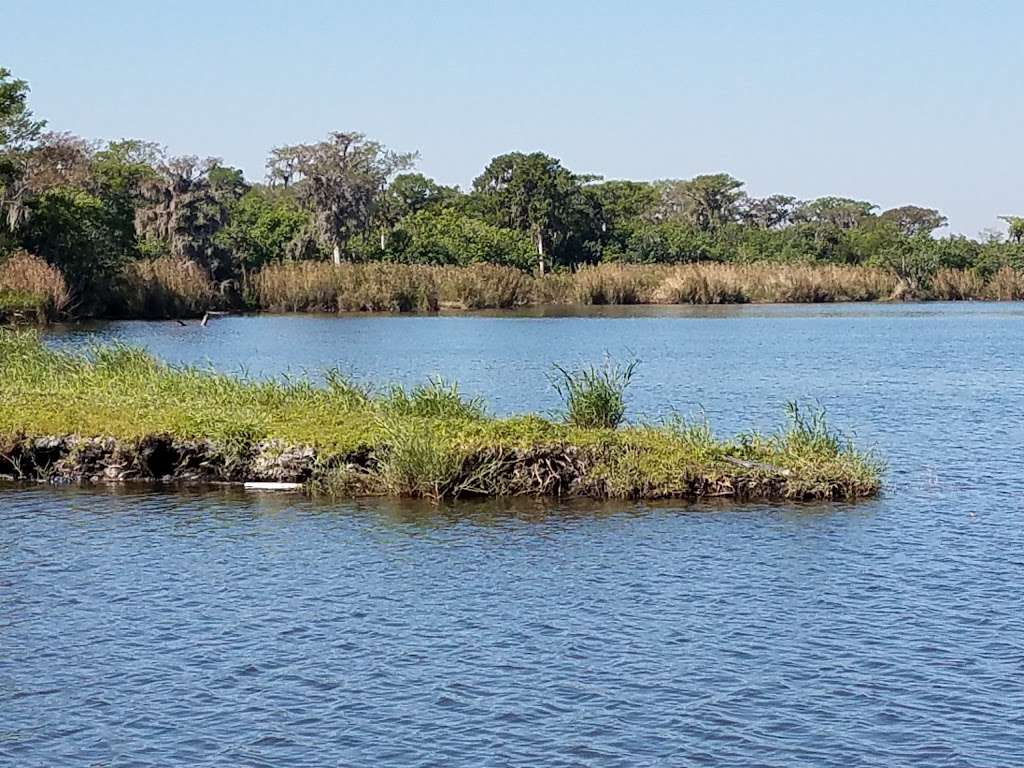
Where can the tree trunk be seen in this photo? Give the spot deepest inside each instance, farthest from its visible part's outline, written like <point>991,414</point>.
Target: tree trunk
<point>540,253</point>
<point>337,254</point>
<point>383,238</point>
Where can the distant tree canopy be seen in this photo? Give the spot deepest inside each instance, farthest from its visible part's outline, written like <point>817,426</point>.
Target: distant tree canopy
<point>91,207</point>
<point>534,194</point>
<point>341,181</point>
<point>1016,228</point>
<point>911,220</point>
<point>19,130</point>
<point>703,202</point>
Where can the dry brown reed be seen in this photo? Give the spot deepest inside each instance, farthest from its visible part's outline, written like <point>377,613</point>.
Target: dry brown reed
<point>1007,284</point>
<point>485,286</point>
<point>30,286</point>
<point>956,285</point>
<point>701,284</point>
<point>166,287</point>
<point>318,286</point>
<point>313,286</point>
<point>615,284</point>
<point>772,283</point>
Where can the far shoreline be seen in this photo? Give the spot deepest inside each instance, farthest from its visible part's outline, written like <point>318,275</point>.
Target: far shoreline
<point>550,311</point>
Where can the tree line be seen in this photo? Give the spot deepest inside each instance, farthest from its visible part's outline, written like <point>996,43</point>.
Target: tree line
<point>91,207</point>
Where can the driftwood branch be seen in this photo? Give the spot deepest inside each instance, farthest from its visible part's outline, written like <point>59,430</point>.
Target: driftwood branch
<point>208,315</point>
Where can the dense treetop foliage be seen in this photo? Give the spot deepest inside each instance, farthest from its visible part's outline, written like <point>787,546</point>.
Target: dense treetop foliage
<point>90,208</point>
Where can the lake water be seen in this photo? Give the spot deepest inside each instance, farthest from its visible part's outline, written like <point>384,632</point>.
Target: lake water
<point>219,628</point>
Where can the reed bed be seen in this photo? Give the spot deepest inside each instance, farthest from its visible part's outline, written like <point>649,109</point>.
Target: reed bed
<point>175,287</point>
<point>484,286</point>
<point>116,410</point>
<point>31,288</point>
<point>1007,284</point>
<point>614,284</point>
<point>318,286</point>
<point>315,286</point>
<point>166,287</point>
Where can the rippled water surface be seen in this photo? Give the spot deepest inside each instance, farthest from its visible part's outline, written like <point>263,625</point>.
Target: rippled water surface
<point>218,628</point>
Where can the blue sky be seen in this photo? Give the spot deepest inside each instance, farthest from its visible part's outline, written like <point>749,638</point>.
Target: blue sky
<point>895,102</point>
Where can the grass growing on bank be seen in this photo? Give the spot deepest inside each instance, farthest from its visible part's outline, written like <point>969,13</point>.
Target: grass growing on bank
<point>428,441</point>
<point>31,289</point>
<point>172,287</point>
<point>166,287</point>
<point>325,287</point>
<point>594,397</point>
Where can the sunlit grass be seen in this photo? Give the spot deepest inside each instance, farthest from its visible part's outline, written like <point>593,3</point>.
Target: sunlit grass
<point>163,287</point>
<point>594,397</point>
<point>30,288</point>
<point>426,441</point>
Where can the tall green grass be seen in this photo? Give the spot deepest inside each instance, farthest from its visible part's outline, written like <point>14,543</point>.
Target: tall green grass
<point>594,397</point>
<point>437,399</point>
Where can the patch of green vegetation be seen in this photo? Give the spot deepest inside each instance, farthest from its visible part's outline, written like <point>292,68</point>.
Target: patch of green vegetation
<point>594,397</point>
<point>22,304</point>
<point>437,399</point>
<point>429,441</point>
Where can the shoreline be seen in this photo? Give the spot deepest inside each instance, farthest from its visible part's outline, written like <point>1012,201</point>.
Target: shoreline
<point>556,471</point>
<point>352,288</point>
<point>553,310</point>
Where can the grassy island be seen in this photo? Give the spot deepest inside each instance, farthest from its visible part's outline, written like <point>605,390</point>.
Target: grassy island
<point>116,414</point>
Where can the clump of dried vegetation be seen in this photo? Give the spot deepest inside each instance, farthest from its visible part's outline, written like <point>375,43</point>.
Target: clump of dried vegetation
<point>324,287</point>
<point>31,289</point>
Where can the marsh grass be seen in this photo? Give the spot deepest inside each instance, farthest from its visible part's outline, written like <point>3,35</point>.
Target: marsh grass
<point>31,288</point>
<point>772,283</point>
<point>594,397</point>
<point>429,441</point>
<point>695,435</point>
<point>1006,284</point>
<point>324,287</point>
<point>167,287</point>
<point>484,286</point>
<point>614,284</point>
<point>173,287</point>
<point>316,286</point>
<point>415,461</point>
<point>436,399</point>
<point>702,284</point>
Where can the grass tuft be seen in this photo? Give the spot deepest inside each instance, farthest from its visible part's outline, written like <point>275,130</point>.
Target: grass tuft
<point>437,399</point>
<point>414,461</point>
<point>594,397</point>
